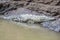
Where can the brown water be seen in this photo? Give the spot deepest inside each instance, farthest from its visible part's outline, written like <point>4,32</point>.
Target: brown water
<point>11,31</point>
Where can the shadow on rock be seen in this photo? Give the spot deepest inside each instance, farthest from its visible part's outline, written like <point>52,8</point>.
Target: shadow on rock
<point>52,25</point>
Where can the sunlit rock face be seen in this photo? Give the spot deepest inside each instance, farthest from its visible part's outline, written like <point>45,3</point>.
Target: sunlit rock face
<point>52,25</point>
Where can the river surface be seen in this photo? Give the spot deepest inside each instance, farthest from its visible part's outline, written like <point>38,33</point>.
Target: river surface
<point>11,31</point>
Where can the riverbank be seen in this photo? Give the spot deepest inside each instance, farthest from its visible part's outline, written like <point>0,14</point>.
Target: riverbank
<point>12,31</point>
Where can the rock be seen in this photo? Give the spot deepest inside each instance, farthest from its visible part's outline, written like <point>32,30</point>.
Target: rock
<point>49,2</point>
<point>26,14</point>
<point>52,25</point>
<point>36,18</point>
<point>20,0</point>
<point>44,6</point>
<point>55,2</point>
<point>36,7</point>
<point>50,10</point>
<point>43,1</point>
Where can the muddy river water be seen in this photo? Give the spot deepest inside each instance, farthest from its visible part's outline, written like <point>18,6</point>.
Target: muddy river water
<point>11,31</point>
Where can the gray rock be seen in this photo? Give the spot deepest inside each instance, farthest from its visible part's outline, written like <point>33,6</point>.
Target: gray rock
<point>52,25</point>
<point>27,14</point>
